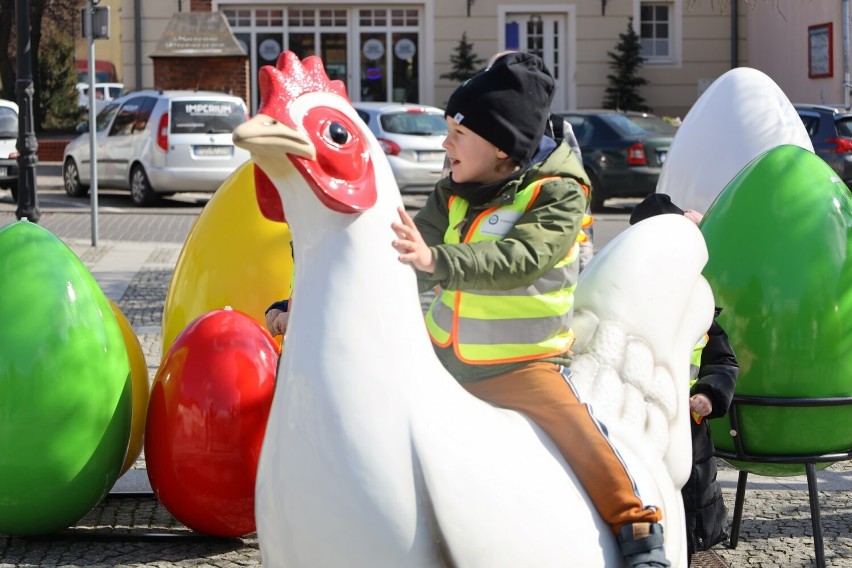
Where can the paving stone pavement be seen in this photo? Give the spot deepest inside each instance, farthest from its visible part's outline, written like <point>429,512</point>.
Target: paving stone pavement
<point>131,528</point>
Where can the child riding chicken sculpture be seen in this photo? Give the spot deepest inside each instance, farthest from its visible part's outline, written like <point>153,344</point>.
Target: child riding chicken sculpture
<point>498,238</point>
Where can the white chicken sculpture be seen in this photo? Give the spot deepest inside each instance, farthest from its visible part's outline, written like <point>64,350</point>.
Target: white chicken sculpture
<point>374,456</point>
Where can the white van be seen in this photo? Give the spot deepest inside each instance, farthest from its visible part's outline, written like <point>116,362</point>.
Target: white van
<point>104,93</point>
<point>158,143</point>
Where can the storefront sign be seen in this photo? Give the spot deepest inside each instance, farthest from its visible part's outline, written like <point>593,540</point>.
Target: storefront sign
<point>373,49</point>
<point>405,49</point>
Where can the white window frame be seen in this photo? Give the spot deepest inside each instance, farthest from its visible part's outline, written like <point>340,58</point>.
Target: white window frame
<point>675,30</point>
<point>426,33</point>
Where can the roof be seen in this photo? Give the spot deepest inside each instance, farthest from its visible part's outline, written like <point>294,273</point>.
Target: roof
<point>198,34</point>
<point>9,104</point>
<point>179,93</point>
<point>385,106</point>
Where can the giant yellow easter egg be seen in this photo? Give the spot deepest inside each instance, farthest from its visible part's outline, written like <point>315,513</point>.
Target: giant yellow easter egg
<point>233,256</point>
<point>139,388</point>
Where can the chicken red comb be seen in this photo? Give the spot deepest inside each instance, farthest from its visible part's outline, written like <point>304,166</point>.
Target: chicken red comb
<point>288,80</point>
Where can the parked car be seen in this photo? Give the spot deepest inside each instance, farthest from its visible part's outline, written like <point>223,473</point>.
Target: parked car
<point>830,129</point>
<point>159,143</point>
<point>411,136</point>
<point>623,152</point>
<point>8,147</point>
<point>104,93</point>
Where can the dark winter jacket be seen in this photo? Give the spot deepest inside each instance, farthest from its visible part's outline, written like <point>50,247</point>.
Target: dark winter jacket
<point>706,515</point>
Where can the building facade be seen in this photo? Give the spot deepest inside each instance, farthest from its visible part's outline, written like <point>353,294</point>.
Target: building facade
<point>804,47</point>
<point>398,49</point>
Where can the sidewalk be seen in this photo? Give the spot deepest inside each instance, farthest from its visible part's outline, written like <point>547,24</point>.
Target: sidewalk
<point>130,527</point>
<point>137,531</point>
<point>776,526</point>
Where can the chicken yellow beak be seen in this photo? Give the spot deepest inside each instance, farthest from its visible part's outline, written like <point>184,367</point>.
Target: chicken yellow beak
<point>267,139</point>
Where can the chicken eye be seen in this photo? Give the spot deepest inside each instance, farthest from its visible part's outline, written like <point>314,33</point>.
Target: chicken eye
<point>337,133</point>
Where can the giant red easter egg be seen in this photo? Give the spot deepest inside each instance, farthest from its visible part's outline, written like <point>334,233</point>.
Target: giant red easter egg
<point>206,420</point>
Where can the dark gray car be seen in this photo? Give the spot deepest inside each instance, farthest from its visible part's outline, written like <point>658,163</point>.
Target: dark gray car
<point>623,152</point>
<point>830,130</point>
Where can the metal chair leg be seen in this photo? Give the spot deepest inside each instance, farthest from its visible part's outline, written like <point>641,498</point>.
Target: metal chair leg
<point>813,497</point>
<point>742,480</point>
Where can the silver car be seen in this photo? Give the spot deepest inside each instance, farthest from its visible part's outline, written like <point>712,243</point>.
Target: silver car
<point>157,143</point>
<point>411,136</point>
<point>8,147</point>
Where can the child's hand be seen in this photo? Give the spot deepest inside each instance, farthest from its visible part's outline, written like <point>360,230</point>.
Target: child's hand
<point>276,321</point>
<point>700,404</point>
<point>410,244</point>
<point>693,216</point>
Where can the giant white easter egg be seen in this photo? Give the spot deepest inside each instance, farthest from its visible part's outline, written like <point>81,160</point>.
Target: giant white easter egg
<point>739,117</point>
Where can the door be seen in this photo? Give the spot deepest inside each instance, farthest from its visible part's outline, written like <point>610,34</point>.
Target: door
<point>127,137</point>
<point>544,35</point>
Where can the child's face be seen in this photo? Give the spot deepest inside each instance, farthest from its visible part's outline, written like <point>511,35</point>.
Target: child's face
<point>472,158</point>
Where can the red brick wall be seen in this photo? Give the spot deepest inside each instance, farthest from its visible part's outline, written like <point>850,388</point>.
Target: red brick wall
<point>201,6</point>
<point>223,74</point>
<point>51,150</point>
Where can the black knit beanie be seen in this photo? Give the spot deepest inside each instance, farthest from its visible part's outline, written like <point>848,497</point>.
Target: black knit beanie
<point>508,104</point>
<point>654,204</point>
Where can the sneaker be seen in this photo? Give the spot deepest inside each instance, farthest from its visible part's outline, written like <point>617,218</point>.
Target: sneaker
<point>642,546</point>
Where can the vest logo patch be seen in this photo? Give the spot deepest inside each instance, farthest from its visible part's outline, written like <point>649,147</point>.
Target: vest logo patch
<point>500,223</point>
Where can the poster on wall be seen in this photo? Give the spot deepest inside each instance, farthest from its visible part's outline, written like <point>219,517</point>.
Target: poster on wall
<point>820,52</point>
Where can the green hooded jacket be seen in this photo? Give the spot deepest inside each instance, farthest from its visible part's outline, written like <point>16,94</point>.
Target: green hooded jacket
<point>540,238</point>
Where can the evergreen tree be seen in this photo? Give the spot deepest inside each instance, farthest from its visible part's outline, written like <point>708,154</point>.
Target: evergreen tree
<point>57,96</point>
<point>465,62</point>
<point>623,90</point>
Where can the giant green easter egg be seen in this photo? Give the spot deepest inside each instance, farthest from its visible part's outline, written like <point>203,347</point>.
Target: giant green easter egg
<point>65,391</point>
<point>780,237</point>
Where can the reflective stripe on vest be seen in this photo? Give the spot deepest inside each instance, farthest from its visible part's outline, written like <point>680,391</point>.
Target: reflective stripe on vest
<point>587,222</point>
<point>695,362</point>
<point>694,367</point>
<point>521,324</point>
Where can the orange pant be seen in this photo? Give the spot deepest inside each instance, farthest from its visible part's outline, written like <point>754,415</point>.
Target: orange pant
<point>541,392</point>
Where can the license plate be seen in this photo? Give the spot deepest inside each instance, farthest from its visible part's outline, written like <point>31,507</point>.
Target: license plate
<point>431,156</point>
<point>662,157</point>
<point>4,172</point>
<point>213,151</point>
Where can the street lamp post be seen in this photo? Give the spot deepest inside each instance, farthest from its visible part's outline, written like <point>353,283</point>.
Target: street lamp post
<point>89,29</point>
<point>27,142</point>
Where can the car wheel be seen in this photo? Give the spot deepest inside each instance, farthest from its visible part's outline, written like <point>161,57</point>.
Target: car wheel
<point>596,203</point>
<point>13,187</point>
<point>140,188</point>
<point>71,180</point>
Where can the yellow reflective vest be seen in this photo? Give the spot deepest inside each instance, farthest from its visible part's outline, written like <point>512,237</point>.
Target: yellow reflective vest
<point>695,366</point>
<point>504,326</point>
